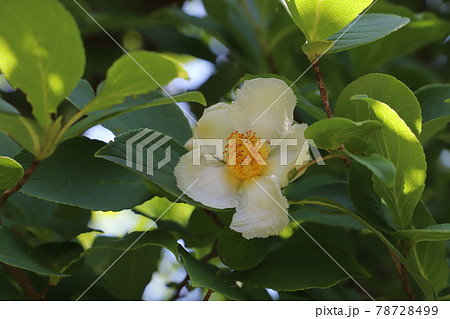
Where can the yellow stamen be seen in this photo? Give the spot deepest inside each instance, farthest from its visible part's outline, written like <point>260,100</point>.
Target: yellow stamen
<point>245,154</point>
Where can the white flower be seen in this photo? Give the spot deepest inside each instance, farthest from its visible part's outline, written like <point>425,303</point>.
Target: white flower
<point>243,181</point>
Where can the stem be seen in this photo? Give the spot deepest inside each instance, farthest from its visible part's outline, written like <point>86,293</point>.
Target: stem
<point>323,90</point>
<point>401,270</point>
<point>215,218</point>
<point>208,295</point>
<point>23,281</point>
<point>22,181</point>
<point>180,286</point>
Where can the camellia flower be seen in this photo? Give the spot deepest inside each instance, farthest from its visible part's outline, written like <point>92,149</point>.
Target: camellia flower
<point>249,174</point>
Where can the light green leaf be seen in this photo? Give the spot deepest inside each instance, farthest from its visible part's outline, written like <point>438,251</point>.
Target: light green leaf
<point>239,253</point>
<point>116,152</point>
<point>82,94</point>
<point>7,108</point>
<point>15,252</point>
<point>156,237</point>
<point>23,130</point>
<point>330,133</point>
<point>439,232</point>
<point>131,104</point>
<point>383,88</point>
<point>319,19</point>
<point>369,28</point>
<point>299,264</point>
<point>10,172</point>
<point>73,176</point>
<point>380,166</point>
<point>45,60</point>
<point>134,74</point>
<point>398,144</point>
<point>205,275</point>
<point>435,109</point>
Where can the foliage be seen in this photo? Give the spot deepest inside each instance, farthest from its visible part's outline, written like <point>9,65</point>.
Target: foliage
<point>379,208</point>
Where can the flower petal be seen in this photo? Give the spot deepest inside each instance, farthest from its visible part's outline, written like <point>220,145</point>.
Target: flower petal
<point>216,187</point>
<point>261,209</point>
<point>265,106</point>
<point>215,123</point>
<point>279,165</point>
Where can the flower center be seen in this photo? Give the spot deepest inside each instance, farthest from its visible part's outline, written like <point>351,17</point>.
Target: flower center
<point>245,154</point>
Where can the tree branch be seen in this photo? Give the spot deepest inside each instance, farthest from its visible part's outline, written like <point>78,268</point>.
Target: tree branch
<point>6,194</point>
<point>207,295</point>
<point>21,278</point>
<point>323,90</point>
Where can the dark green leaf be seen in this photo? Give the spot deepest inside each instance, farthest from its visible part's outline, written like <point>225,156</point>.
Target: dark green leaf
<point>7,146</point>
<point>367,203</point>
<point>369,28</point>
<point>239,253</point>
<point>380,166</point>
<point>15,252</point>
<point>205,275</point>
<point>73,176</point>
<point>435,110</point>
<point>300,264</point>
<point>82,94</point>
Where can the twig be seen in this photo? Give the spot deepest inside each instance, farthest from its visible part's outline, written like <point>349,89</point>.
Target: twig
<point>46,290</point>
<point>323,90</point>
<point>23,281</point>
<point>401,270</point>
<point>215,218</point>
<point>208,295</point>
<point>180,286</point>
<point>6,194</point>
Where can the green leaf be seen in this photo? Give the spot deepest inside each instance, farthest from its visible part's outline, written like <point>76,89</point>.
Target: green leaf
<point>116,152</point>
<point>131,272</point>
<point>430,257</point>
<point>136,240</point>
<point>439,232</point>
<point>73,176</point>
<point>425,28</point>
<point>60,255</point>
<point>10,172</point>
<point>206,276</point>
<point>202,228</point>
<point>167,119</point>
<point>383,88</point>
<point>398,144</point>
<point>134,74</point>
<point>5,107</point>
<point>300,264</point>
<point>367,203</point>
<point>24,131</point>
<point>320,19</point>
<point>82,94</point>
<point>24,211</point>
<point>239,253</point>
<point>131,104</point>
<point>7,146</point>
<point>331,133</point>
<point>42,53</point>
<point>15,252</point>
<point>369,28</point>
<point>435,109</point>
<point>380,166</point>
